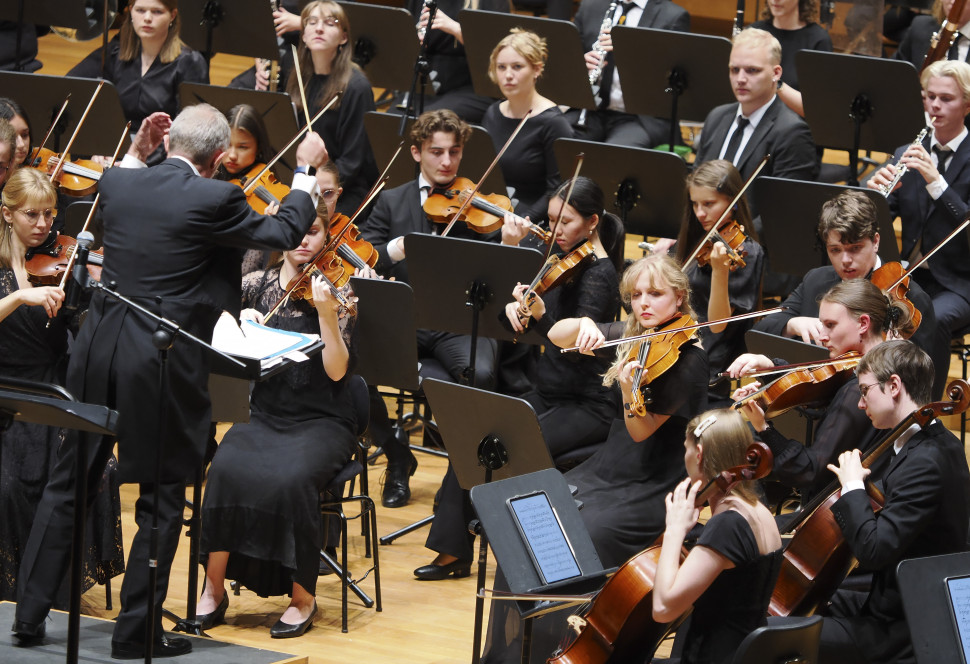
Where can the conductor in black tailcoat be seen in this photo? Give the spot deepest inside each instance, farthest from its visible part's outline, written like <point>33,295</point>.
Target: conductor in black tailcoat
<point>173,243</point>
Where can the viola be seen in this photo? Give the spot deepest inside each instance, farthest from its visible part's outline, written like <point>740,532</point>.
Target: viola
<point>619,626</point>
<point>732,235</point>
<point>893,280</point>
<point>350,246</point>
<point>656,355</point>
<point>813,384</point>
<point>49,261</point>
<point>484,214</point>
<point>262,190</point>
<point>79,177</point>
<point>818,559</point>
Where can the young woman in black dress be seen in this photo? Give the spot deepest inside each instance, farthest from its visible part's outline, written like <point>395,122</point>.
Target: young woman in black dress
<point>34,346</point>
<point>735,560</point>
<point>300,435</point>
<point>326,68</point>
<point>529,164</point>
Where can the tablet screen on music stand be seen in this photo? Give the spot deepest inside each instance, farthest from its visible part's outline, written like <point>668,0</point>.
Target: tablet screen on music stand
<point>547,543</point>
<point>958,592</point>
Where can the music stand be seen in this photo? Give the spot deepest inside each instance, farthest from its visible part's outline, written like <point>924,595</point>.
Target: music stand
<point>487,436</point>
<point>477,155</point>
<point>42,98</point>
<point>645,188</point>
<point>678,75</point>
<point>75,215</point>
<point>564,79</point>
<point>789,212</point>
<point>53,12</point>
<point>275,108</point>
<point>210,27</point>
<point>926,601</point>
<point>385,44</point>
<point>872,104</point>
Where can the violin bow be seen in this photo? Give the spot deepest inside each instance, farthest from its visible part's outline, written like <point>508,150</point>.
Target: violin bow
<point>251,184</point>
<point>488,171</point>
<point>716,227</point>
<point>784,368</point>
<point>36,152</point>
<point>299,80</point>
<point>696,326</point>
<point>367,201</point>
<point>77,129</point>
<point>956,231</point>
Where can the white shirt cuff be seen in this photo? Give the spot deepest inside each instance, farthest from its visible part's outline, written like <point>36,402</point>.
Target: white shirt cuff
<point>307,183</point>
<point>853,486</point>
<point>130,161</point>
<point>936,188</point>
<point>395,249</point>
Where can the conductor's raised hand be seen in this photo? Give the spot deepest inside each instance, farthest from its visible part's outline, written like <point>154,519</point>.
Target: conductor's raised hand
<point>150,135</point>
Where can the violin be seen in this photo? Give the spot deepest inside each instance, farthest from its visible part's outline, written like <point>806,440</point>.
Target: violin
<point>818,559</point>
<point>893,280</point>
<point>484,214</point>
<point>49,261</point>
<point>328,265</point>
<point>816,383</point>
<point>558,270</point>
<point>79,177</point>
<point>654,356</point>
<point>350,246</point>
<point>262,191</point>
<point>619,626</point>
<point>732,235</point>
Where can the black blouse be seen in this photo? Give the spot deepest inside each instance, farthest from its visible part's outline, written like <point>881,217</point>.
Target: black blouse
<point>812,37</point>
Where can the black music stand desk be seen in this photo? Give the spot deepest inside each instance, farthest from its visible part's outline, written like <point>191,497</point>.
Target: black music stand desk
<point>933,622</point>
<point>385,43</point>
<point>239,27</point>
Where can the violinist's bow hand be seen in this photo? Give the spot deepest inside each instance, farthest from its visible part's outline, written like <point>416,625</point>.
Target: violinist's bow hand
<point>589,337</point>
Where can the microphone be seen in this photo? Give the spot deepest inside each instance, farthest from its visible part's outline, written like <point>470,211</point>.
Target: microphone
<point>79,277</point>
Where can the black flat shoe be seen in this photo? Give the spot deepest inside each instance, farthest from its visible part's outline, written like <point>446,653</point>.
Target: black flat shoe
<point>217,617</point>
<point>432,572</point>
<point>282,630</point>
<point>167,646</point>
<point>397,490</point>
<point>28,634</point>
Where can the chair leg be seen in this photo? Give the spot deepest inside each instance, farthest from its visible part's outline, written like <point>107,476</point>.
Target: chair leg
<point>107,595</point>
<point>345,579</point>
<point>372,508</point>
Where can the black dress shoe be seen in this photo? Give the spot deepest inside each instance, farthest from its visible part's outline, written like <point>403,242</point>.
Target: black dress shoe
<point>397,491</point>
<point>167,646</point>
<point>282,630</point>
<point>28,634</point>
<point>432,572</point>
<point>217,617</point>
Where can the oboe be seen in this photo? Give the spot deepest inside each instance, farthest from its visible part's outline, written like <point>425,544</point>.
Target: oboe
<point>901,169</point>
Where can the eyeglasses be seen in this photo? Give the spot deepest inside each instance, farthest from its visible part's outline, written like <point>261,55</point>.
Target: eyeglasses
<point>864,389</point>
<point>329,21</point>
<point>34,215</point>
<point>328,193</point>
<point>4,168</point>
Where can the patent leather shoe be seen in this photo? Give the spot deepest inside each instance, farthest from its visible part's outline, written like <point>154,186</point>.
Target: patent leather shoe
<point>432,572</point>
<point>28,634</point>
<point>217,617</point>
<point>397,489</point>
<point>167,646</point>
<point>282,630</point>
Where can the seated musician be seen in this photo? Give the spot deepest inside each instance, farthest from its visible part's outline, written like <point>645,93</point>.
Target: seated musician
<point>916,44</point>
<point>849,230</point>
<point>759,123</point>
<point>301,434</point>
<point>932,197</point>
<point>736,559</point>
<point>855,317</point>
<point>437,140</point>
<point>15,114</point>
<point>8,151</point>
<point>927,492</point>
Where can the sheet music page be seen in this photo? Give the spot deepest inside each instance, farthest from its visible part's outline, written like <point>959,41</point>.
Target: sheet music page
<point>257,341</point>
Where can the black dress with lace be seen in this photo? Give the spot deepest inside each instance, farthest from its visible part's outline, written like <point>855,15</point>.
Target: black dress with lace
<point>262,498</point>
<point>31,349</point>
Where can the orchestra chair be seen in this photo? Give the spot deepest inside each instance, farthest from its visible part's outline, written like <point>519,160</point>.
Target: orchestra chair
<point>960,347</point>
<point>333,499</point>
<point>793,641</point>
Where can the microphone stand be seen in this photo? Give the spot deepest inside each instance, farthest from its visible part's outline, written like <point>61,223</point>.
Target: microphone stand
<point>422,69</point>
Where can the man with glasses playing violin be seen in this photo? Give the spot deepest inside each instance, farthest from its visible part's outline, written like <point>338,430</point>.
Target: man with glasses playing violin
<point>926,484</point>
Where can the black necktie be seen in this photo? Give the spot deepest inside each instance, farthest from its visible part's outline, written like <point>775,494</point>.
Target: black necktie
<point>735,141</point>
<point>606,80</point>
<point>942,155</point>
<point>954,52</point>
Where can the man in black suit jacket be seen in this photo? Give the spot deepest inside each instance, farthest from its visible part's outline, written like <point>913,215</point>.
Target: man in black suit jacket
<point>932,197</point>
<point>767,125</point>
<point>848,229</point>
<point>173,244</point>
<point>926,511</point>
<point>610,123</point>
<point>916,44</point>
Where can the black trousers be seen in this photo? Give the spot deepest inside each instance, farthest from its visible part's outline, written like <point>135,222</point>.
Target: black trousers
<point>47,556</point>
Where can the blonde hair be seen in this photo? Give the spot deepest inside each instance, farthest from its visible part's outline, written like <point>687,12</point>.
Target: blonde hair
<point>955,69</point>
<point>663,272</point>
<point>131,43</point>
<point>340,69</point>
<point>725,442</point>
<point>25,186</point>
<point>529,45</point>
<point>756,38</point>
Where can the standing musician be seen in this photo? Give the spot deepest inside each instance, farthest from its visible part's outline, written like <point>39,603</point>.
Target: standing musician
<point>925,513</point>
<point>736,558</point>
<point>855,316</point>
<point>34,340</point>
<point>174,240</point>
<point>848,228</point>
<point>623,485</point>
<point>932,197</point>
<point>610,123</point>
<point>437,140</point>
<point>529,164</point>
<point>301,434</point>
<point>326,68</point>
<point>916,44</point>
<point>147,62</point>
